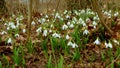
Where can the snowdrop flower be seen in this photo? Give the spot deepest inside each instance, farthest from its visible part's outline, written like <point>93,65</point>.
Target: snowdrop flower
<point>50,31</point>
<point>67,37</point>
<point>71,26</point>
<point>45,33</point>
<point>94,23</point>
<point>51,26</point>
<point>116,14</point>
<point>68,23</point>
<point>65,11</point>
<point>9,41</point>
<point>57,15</point>
<point>97,41</point>
<point>108,45</point>
<point>72,44</point>
<point>55,35</point>
<point>85,32</point>
<point>82,22</point>
<point>69,43</point>
<point>96,18</point>
<point>39,30</point>
<point>8,28</point>
<point>64,27</point>
<point>42,20</point>
<point>24,30</point>
<point>16,35</point>
<point>87,19</point>
<point>11,24</point>
<point>82,11</point>
<point>46,16</point>
<point>67,16</point>
<point>115,41</point>
<point>3,32</point>
<point>5,24</point>
<point>17,23</point>
<point>33,23</point>
<point>74,19</point>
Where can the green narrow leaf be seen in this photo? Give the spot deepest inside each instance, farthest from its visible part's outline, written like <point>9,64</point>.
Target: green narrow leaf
<point>49,63</point>
<point>0,64</point>
<point>60,64</point>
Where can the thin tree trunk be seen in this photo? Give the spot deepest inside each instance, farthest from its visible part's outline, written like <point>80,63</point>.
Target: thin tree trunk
<point>97,9</point>
<point>29,18</point>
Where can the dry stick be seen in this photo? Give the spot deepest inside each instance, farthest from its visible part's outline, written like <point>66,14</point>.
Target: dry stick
<point>97,9</point>
<point>29,19</point>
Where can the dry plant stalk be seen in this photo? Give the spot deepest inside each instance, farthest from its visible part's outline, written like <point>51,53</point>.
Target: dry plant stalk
<point>97,9</point>
<point>29,18</point>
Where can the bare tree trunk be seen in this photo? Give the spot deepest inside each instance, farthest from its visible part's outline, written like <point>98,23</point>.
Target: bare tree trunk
<point>98,10</point>
<point>29,18</point>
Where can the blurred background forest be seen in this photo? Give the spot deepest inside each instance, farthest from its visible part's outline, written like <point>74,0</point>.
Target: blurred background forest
<point>20,6</point>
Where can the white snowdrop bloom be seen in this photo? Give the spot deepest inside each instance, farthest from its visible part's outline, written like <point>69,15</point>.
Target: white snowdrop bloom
<point>57,15</point>
<point>39,30</point>
<point>69,43</point>
<point>50,31</point>
<point>65,11</point>
<point>108,45</point>
<point>45,33</point>
<point>9,41</point>
<point>51,26</point>
<point>3,32</point>
<point>46,16</point>
<point>21,17</point>
<point>67,37</point>
<point>97,41</point>
<point>24,30</point>
<point>74,19</point>
<point>116,14</point>
<point>68,23</point>
<point>94,23</point>
<point>11,24</point>
<point>115,41</point>
<point>67,16</point>
<point>64,27</point>
<point>82,11</point>
<point>8,28</point>
<point>33,23</point>
<point>17,35</point>
<point>85,32</point>
<point>42,20</point>
<point>5,24</point>
<point>55,35</point>
<point>17,23</point>
<point>87,19</point>
<point>96,18</point>
<point>82,22</point>
<point>72,44</point>
<point>71,26</point>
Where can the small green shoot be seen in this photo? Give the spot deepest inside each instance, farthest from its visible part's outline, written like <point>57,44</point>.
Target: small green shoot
<point>49,65</point>
<point>0,64</point>
<point>76,55</point>
<point>16,56</point>
<point>30,46</point>
<point>60,63</point>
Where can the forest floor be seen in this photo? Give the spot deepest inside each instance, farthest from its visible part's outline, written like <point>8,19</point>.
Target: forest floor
<point>60,40</point>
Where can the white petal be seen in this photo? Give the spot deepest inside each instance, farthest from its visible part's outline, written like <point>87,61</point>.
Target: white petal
<point>97,41</point>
